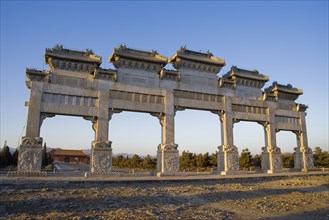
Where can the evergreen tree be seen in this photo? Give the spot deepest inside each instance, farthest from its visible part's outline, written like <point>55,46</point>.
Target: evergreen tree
<point>206,159</point>
<point>6,157</point>
<point>213,159</point>
<point>15,158</point>
<point>149,163</point>
<point>288,160</point>
<point>135,161</point>
<point>321,158</point>
<point>257,161</point>
<point>125,162</point>
<point>118,161</point>
<point>245,159</point>
<point>187,160</point>
<point>199,159</point>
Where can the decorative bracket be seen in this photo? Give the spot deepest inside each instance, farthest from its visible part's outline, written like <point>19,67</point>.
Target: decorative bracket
<point>178,108</point>
<point>93,120</point>
<point>112,111</point>
<point>43,116</point>
<point>220,113</point>
<point>160,116</point>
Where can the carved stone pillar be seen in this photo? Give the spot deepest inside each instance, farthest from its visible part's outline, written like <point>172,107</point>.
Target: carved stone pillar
<point>101,150</point>
<point>170,159</point>
<point>160,116</point>
<point>271,154</point>
<point>29,158</point>
<point>101,158</point>
<point>228,156</point>
<point>303,154</point>
<point>30,149</point>
<point>167,152</point>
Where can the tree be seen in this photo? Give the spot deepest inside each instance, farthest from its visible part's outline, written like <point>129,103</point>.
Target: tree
<point>6,157</point>
<point>135,161</point>
<point>149,163</point>
<point>206,159</point>
<point>44,156</point>
<point>213,159</point>
<point>125,162</point>
<point>288,160</point>
<point>15,158</point>
<point>118,161</point>
<point>186,160</point>
<point>245,159</point>
<point>199,160</point>
<point>257,161</point>
<point>321,158</point>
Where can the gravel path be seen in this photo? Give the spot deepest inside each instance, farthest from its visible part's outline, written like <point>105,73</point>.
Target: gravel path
<point>300,197</point>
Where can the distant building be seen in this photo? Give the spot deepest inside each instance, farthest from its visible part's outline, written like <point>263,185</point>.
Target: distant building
<point>69,156</point>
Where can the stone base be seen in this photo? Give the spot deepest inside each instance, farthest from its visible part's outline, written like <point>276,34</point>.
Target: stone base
<point>101,158</point>
<point>273,171</point>
<point>27,174</point>
<point>272,155</point>
<point>169,159</point>
<point>30,155</point>
<point>90,174</point>
<point>301,154</point>
<point>224,173</point>
<point>159,174</point>
<point>227,159</point>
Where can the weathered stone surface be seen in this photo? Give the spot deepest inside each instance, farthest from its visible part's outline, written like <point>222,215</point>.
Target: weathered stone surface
<point>170,159</point>
<point>271,159</point>
<point>101,158</point>
<point>77,86</point>
<point>29,158</point>
<point>30,154</point>
<point>303,158</point>
<point>228,159</point>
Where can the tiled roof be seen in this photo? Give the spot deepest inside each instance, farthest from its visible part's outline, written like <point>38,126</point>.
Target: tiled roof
<point>63,152</point>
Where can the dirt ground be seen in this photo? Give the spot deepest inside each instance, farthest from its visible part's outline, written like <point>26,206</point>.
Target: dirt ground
<point>301,197</point>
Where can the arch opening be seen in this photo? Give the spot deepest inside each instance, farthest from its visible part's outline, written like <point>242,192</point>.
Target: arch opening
<point>198,136</point>
<point>135,137</point>
<point>68,143</point>
<point>249,137</point>
<point>286,141</point>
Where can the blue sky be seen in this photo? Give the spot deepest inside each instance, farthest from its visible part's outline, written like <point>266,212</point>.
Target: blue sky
<point>288,41</point>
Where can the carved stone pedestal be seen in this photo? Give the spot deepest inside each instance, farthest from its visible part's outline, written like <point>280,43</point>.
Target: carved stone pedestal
<point>271,159</point>
<point>227,160</point>
<point>303,158</point>
<point>101,159</point>
<point>29,158</point>
<point>169,160</point>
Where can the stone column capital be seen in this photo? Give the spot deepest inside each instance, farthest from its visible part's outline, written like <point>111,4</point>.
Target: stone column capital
<point>101,145</point>
<point>169,147</point>
<point>31,142</point>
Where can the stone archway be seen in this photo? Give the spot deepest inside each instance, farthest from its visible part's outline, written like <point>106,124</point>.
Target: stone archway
<point>76,85</point>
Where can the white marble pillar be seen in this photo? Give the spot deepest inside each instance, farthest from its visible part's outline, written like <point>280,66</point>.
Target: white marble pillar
<point>169,152</point>
<point>303,153</point>
<point>101,150</point>
<point>30,149</point>
<point>228,156</point>
<point>271,155</point>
